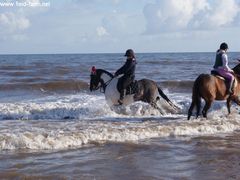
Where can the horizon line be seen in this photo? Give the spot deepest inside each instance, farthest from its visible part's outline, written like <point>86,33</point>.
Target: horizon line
<point>114,53</point>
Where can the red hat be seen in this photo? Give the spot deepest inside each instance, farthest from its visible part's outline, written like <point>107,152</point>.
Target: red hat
<point>94,70</point>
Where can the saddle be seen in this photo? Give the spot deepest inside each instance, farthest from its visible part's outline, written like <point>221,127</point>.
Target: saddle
<point>215,73</point>
<point>131,89</point>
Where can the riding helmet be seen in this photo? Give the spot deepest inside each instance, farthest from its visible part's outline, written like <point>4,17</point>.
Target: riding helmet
<point>130,53</point>
<point>224,46</point>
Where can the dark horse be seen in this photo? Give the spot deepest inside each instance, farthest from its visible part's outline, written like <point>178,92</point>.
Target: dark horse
<point>210,88</point>
<point>148,90</point>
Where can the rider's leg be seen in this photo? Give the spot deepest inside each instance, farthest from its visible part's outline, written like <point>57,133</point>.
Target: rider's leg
<point>123,79</point>
<point>229,80</point>
<point>126,82</point>
<point>122,94</point>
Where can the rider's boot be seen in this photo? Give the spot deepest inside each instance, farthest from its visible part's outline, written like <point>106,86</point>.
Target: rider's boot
<point>230,88</point>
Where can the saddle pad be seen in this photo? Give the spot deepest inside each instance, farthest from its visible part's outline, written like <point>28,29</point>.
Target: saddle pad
<point>220,77</point>
<point>216,74</point>
<point>133,88</point>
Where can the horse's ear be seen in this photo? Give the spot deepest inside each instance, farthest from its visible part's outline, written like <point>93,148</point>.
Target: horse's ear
<point>94,70</point>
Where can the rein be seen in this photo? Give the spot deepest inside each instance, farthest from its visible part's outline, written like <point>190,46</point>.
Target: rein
<point>104,85</point>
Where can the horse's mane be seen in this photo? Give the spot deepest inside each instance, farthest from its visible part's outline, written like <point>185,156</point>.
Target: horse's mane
<point>236,69</point>
<point>104,71</point>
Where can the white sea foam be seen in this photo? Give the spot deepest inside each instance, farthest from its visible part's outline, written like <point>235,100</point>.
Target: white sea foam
<point>80,106</point>
<point>73,134</point>
<point>94,122</point>
<point>57,107</point>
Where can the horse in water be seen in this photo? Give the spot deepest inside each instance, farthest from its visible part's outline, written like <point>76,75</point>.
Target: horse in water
<point>210,88</point>
<point>143,90</point>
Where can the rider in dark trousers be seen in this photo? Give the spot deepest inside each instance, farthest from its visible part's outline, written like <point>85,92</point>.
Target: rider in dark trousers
<point>128,71</point>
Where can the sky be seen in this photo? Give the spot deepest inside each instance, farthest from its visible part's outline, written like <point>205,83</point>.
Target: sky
<point>112,26</point>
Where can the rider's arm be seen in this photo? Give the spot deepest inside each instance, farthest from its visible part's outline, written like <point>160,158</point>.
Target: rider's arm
<point>121,70</point>
<point>225,63</point>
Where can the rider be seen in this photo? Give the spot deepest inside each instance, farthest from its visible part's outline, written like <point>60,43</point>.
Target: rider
<point>128,71</point>
<point>221,66</point>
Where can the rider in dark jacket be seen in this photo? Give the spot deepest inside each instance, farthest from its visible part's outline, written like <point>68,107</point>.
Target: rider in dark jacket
<point>128,71</point>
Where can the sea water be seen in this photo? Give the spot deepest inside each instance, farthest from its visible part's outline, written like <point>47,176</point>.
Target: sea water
<point>52,126</point>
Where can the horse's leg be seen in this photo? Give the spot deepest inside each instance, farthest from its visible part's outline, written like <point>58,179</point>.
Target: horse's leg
<point>229,102</point>
<point>190,110</point>
<point>164,96</point>
<point>208,104</point>
<point>149,98</point>
<point>236,100</point>
<point>138,96</point>
<point>198,103</point>
<point>154,105</point>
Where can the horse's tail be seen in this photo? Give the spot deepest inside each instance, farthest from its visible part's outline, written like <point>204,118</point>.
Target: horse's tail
<point>164,96</point>
<point>196,98</point>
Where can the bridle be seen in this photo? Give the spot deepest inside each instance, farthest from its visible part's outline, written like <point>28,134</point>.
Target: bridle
<point>103,84</point>
<point>106,84</point>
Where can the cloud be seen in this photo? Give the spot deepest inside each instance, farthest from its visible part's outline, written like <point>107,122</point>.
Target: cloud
<point>101,31</point>
<point>12,27</point>
<point>175,15</point>
<point>120,24</point>
<point>224,13</point>
<point>14,21</point>
<point>10,22</point>
<point>115,23</point>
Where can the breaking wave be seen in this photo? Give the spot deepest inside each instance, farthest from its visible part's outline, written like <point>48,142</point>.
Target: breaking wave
<point>78,106</point>
<point>52,86</point>
<point>73,121</point>
<point>75,134</point>
<point>178,85</point>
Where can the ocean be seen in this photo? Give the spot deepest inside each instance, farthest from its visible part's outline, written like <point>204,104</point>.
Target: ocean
<point>53,127</point>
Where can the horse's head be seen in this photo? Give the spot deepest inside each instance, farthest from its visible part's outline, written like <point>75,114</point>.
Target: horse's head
<point>236,69</point>
<point>97,78</point>
<point>94,79</point>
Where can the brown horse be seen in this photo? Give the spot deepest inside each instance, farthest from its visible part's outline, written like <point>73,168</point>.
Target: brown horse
<point>210,88</point>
